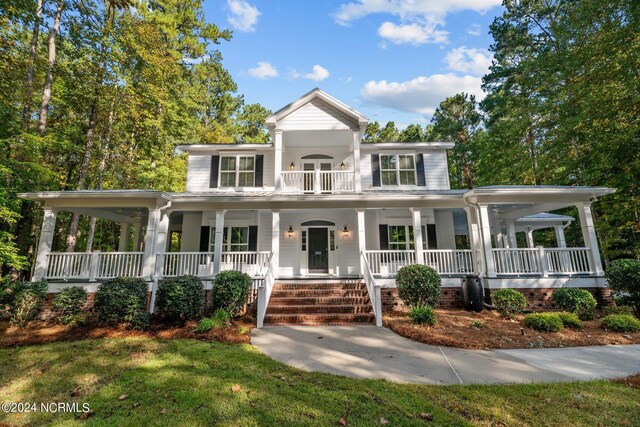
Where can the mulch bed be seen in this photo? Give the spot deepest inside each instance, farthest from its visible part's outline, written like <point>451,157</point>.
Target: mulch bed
<point>454,330</point>
<point>39,332</point>
<point>632,381</point>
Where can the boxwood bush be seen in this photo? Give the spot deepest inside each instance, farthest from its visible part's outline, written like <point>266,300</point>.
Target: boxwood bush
<point>418,285</point>
<point>621,323</point>
<point>69,302</point>
<point>570,320</point>
<point>423,314</point>
<point>230,291</point>
<point>22,301</point>
<point>575,300</point>
<point>179,298</point>
<point>543,322</point>
<point>623,277</point>
<point>122,300</point>
<point>509,302</point>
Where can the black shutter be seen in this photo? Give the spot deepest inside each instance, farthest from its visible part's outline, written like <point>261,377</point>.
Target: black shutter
<point>375,169</point>
<point>420,169</point>
<point>253,238</point>
<point>384,236</point>
<point>204,238</point>
<point>432,241</point>
<point>259,169</point>
<point>215,166</point>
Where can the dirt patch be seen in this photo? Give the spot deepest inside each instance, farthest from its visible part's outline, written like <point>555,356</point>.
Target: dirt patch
<point>40,332</point>
<point>632,381</point>
<point>487,330</point>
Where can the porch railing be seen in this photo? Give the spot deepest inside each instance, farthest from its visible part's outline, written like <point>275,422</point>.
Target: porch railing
<point>542,261</point>
<point>201,263</point>
<point>69,265</point>
<point>449,261</point>
<point>517,261</point>
<point>116,264</point>
<point>318,182</point>
<point>568,260</point>
<point>388,262</point>
<point>372,289</point>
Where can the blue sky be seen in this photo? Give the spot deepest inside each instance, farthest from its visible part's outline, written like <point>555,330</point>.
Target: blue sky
<point>389,59</point>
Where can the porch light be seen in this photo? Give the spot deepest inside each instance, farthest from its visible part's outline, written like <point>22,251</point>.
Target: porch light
<point>342,166</point>
<point>290,232</point>
<point>345,231</point>
<point>292,166</point>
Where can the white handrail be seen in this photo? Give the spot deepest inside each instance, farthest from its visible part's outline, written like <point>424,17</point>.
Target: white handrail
<point>372,289</point>
<point>449,261</point>
<point>69,265</point>
<point>517,261</point>
<point>201,263</point>
<point>388,262</point>
<point>264,291</point>
<point>568,260</point>
<point>318,181</point>
<point>116,264</point>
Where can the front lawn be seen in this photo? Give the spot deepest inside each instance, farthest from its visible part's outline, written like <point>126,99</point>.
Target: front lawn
<point>149,381</point>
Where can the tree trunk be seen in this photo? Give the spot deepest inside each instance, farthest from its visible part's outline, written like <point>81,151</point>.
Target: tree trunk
<point>28,86</point>
<point>46,93</point>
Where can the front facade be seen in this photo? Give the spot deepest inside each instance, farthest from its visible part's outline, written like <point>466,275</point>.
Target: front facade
<point>318,205</point>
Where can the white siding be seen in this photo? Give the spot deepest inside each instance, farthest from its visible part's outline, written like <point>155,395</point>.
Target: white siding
<point>435,168</point>
<point>317,115</point>
<point>191,223</point>
<point>445,234</point>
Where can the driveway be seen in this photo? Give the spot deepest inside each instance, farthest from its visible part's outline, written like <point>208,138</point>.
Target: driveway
<point>371,352</point>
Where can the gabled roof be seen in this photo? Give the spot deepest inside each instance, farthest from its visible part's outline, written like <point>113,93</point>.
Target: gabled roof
<point>309,96</point>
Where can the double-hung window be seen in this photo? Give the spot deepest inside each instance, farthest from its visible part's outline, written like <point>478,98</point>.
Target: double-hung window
<point>398,169</point>
<point>234,239</point>
<point>237,171</point>
<point>401,237</point>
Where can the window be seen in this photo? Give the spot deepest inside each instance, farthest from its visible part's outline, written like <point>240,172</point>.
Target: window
<point>401,237</point>
<point>397,169</point>
<point>237,171</point>
<point>304,240</point>
<point>234,239</point>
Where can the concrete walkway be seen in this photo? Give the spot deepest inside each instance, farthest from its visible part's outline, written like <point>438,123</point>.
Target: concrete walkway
<point>370,352</point>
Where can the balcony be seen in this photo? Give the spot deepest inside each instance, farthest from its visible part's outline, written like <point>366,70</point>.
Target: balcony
<point>318,182</point>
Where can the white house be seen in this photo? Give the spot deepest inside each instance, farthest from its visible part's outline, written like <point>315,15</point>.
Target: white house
<point>317,206</point>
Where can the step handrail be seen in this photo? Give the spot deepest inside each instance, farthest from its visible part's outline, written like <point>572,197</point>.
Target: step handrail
<point>372,290</point>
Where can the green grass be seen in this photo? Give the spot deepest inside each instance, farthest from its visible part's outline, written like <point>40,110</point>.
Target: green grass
<point>191,382</point>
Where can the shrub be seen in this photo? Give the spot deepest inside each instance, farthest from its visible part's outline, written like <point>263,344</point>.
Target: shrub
<point>621,323</point>
<point>218,319</point>
<point>623,277</point>
<point>22,301</point>
<point>577,301</point>
<point>418,285</point>
<point>122,300</point>
<point>544,322</point>
<point>570,320</point>
<point>230,291</point>
<point>180,297</point>
<point>621,309</point>
<point>509,302</point>
<point>423,314</point>
<point>69,302</point>
<point>477,324</point>
<point>204,325</point>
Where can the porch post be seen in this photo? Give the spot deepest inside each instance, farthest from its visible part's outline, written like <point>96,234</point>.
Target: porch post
<point>589,236</point>
<point>512,241</point>
<point>497,232</point>
<point>485,229</point>
<point>562,242</point>
<point>123,243</point>
<point>475,239</point>
<point>362,243</point>
<point>219,238</point>
<point>277,145</point>
<point>357,137</point>
<point>149,257</point>
<point>275,241</point>
<point>417,235</point>
<point>45,242</point>
<point>530,243</point>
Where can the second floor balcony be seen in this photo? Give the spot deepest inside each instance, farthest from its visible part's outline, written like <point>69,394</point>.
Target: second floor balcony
<point>318,181</point>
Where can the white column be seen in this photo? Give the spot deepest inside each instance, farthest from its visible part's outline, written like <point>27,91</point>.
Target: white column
<point>123,243</point>
<point>275,242</point>
<point>497,232</point>
<point>149,257</point>
<point>511,240</point>
<point>417,235</point>
<point>218,240</point>
<point>44,244</point>
<point>475,240</point>
<point>562,242</point>
<point>277,145</point>
<point>357,138</point>
<point>362,242</point>
<point>485,230</point>
<point>589,236</point>
<point>530,243</point>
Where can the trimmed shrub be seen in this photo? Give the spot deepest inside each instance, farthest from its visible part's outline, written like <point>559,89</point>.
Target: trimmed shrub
<point>575,300</point>
<point>570,320</point>
<point>69,302</point>
<point>230,291</point>
<point>621,323</point>
<point>623,277</point>
<point>543,322</point>
<point>122,300</point>
<point>418,285</point>
<point>180,298</point>
<point>423,315</point>
<point>509,302</point>
<point>22,301</point>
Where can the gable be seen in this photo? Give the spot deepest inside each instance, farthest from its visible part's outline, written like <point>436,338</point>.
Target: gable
<point>317,114</point>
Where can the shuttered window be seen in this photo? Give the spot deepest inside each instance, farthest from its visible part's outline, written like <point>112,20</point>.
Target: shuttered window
<point>235,239</point>
<point>237,171</point>
<point>397,169</point>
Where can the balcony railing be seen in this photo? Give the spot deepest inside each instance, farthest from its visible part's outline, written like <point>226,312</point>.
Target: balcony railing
<point>318,182</point>
<point>542,261</point>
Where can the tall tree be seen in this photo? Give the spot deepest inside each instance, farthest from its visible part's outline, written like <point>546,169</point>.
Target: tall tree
<point>46,93</point>
<point>28,86</point>
<point>412,133</point>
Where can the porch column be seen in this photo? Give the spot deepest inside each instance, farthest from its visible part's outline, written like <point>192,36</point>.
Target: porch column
<point>219,238</point>
<point>362,243</point>
<point>511,240</point>
<point>275,241</point>
<point>475,240</point>
<point>485,230</point>
<point>530,243</point>
<point>589,236</point>
<point>357,137</point>
<point>44,244</point>
<point>497,232</point>
<point>149,257</point>
<point>123,243</point>
<point>562,242</point>
<point>417,235</point>
<point>277,145</point>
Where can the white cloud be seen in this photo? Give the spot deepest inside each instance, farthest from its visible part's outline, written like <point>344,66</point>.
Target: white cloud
<point>421,95</point>
<point>414,34</point>
<point>317,74</point>
<point>243,16</point>
<point>475,30</point>
<point>469,60</point>
<point>264,70</point>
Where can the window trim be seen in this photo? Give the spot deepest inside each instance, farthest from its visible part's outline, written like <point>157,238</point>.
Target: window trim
<point>237,170</point>
<point>397,170</point>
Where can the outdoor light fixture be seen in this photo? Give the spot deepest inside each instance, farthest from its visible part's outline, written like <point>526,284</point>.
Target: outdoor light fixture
<point>290,232</point>
<point>292,166</point>
<point>342,165</point>
<point>345,231</point>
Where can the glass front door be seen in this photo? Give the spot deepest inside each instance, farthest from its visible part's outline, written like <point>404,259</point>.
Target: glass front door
<point>310,178</point>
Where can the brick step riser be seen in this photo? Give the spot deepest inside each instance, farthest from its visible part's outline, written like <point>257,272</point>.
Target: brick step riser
<point>317,319</point>
<point>318,294</point>
<point>318,309</point>
<point>328,286</point>
<point>319,301</point>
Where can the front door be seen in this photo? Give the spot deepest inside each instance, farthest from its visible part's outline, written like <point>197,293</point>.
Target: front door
<point>318,250</point>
